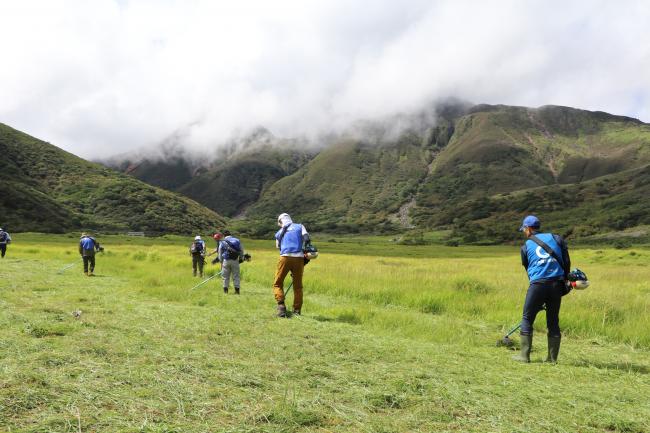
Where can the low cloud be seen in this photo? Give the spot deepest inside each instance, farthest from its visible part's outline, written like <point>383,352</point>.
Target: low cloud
<point>105,77</point>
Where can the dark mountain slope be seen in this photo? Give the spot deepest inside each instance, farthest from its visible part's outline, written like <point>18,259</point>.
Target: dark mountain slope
<point>233,184</point>
<point>226,182</point>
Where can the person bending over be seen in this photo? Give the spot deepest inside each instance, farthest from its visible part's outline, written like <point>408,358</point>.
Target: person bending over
<point>547,277</point>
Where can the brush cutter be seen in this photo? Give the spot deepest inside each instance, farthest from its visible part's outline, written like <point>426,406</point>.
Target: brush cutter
<point>207,279</point>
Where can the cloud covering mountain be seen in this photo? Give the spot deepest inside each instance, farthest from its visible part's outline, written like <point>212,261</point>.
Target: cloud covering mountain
<point>104,77</point>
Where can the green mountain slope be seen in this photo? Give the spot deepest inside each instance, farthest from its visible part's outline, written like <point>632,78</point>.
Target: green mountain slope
<point>455,175</point>
<point>501,150</point>
<point>472,169</point>
<point>44,188</point>
<point>353,185</point>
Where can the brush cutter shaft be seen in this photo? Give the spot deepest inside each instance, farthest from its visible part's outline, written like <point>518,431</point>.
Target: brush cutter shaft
<point>513,330</point>
<point>67,267</point>
<point>288,289</point>
<point>206,280</point>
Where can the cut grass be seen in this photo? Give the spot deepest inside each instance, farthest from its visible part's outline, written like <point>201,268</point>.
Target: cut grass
<point>375,351</point>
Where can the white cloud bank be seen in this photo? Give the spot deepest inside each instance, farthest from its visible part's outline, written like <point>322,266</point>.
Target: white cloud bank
<point>102,77</point>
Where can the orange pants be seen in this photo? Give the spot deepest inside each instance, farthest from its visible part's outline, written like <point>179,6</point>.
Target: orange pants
<point>295,265</point>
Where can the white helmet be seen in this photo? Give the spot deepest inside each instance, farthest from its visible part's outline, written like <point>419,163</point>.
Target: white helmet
<point>197,238</point>
<point>284,219</point>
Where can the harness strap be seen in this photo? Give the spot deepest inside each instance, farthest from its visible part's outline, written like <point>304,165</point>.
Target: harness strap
<point>550,250</point>
<point>284,231</point>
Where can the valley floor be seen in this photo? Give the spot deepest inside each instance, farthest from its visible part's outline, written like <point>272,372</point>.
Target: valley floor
<point>147,354</point>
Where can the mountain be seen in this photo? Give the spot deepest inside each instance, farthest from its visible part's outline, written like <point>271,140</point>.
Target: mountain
<point>555,161</point>
<point>227,181</point>
<point>474,170</point>
<point>353,185</point>
<point>43,188</point>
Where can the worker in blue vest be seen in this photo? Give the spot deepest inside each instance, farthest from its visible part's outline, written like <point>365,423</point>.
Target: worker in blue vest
<point>87,248</point>
<point>545,257</point>
<point>230,253</point>
<point>290,240</point>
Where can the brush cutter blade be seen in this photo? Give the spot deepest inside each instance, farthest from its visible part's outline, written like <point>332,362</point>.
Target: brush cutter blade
<point>505,342</point>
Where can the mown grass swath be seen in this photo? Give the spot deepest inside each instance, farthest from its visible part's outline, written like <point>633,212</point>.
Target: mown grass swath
<point>392,338</point>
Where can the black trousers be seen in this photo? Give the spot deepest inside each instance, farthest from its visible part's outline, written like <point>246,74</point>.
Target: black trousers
<point>89,261</point>
<point>547,293</point>
<point>3,249</point>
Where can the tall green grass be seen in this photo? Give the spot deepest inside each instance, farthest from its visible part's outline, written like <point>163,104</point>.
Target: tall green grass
<point>432,285</point>
<point>398,342</point>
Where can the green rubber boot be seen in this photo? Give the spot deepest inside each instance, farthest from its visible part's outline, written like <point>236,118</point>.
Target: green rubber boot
<point>553,349</point>
<point>526,346</point>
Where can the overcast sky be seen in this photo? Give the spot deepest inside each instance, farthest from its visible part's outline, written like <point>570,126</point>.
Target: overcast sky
<point>100,77</point>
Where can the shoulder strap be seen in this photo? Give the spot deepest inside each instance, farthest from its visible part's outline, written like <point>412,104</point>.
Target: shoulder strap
<point>549,250</point>
<point>284,231</point>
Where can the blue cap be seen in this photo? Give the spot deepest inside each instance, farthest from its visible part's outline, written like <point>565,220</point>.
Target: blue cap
<point>530,221</point>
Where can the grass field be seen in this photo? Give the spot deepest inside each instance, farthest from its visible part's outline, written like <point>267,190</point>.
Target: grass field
<point>392,339</point>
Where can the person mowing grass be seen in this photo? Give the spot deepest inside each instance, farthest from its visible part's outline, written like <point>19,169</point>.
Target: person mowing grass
<point>290,240</point>
<point>545,257</point>
<point>5,239</point>
<point>197,252</point>
<point>230,253</point>
<point>87,248</point>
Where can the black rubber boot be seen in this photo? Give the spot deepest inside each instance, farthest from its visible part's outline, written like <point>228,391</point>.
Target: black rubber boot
<point>526,346</point>
<point>553,349</point>
<point>225,290</point>
<point>236,290</point>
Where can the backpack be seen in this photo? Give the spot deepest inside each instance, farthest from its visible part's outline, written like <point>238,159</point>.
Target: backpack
<point>233,248</point>
<point>196,247</point>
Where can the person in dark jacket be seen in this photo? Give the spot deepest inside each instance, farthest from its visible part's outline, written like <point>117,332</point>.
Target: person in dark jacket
<point>197,252</point>
<point>547,278</point>
<point>87,248</point>
<point>5,239</point>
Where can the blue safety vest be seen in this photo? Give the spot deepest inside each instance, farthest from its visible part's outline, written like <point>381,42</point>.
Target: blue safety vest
<point>87,243</point>
<point>541,265</point>
<point>292,240</point>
